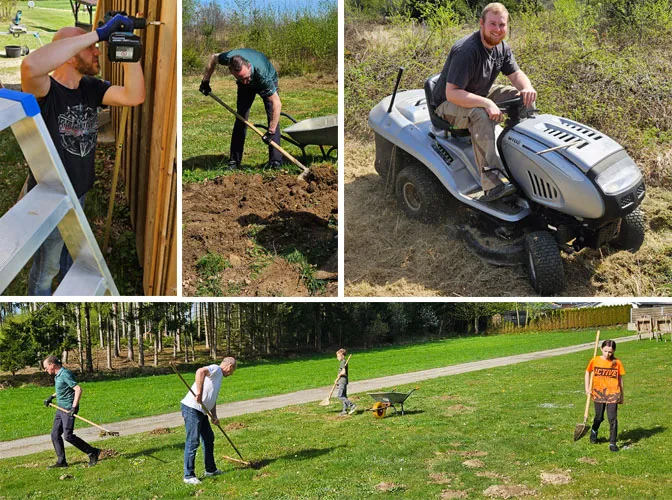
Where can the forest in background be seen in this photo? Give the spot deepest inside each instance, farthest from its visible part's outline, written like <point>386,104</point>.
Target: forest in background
<point>146,334</point>
<point>297,42</point>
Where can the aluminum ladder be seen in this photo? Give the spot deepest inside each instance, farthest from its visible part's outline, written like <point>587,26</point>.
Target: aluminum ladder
<point>51,203</point>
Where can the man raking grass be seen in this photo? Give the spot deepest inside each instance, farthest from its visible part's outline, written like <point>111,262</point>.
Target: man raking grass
<point>199,404</point>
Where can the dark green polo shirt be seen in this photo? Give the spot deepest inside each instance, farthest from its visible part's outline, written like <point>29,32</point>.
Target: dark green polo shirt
<point>65,392</point>
<point>264,77</point>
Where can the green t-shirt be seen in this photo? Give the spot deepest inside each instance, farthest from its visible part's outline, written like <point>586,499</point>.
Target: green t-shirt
<point>264,77</point>
<point>344,379</point>
<point>65,392</point>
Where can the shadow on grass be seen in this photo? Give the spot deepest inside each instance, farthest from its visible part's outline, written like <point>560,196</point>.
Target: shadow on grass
<point>205,162</point>
<point>307,454</point>
<point>286,231</point>
<point>150,451</point>
<point>636,435</point>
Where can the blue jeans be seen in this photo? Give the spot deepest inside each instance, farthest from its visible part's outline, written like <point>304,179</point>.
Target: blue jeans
<point>198,429</point>
<point>51,257</point>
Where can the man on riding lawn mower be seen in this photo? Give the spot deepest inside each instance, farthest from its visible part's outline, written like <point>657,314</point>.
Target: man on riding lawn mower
<point>254,75</point>
<point>465,95</point>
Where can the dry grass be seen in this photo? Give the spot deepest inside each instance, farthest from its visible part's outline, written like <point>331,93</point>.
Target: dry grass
<point>388,254</point>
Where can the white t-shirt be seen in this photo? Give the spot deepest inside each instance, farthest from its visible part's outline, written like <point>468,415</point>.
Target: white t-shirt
<point>211,386</point>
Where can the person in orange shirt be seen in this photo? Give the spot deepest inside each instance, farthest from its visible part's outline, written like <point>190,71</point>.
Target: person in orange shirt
<point>607,390</point>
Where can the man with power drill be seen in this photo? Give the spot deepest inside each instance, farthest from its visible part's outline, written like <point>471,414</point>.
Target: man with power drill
<point>69,99</point>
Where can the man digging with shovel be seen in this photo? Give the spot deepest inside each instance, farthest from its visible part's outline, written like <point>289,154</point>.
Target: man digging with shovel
<point>255,75</point>
<point>68,393</point>
<point>200,401</point>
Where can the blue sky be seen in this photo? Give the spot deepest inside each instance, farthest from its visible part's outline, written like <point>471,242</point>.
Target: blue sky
<point>276,5</point>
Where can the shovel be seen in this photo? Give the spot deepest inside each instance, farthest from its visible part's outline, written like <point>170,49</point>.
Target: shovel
<point>103,430</point>
<point>303,176</point>
<point>242,460</point>
<point>327,401</point>
<point>582,429</point>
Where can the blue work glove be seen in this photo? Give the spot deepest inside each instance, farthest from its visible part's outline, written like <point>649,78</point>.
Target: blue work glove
<point>48,401</point>
<point>117,23</point>
<point>205,87</point>
<point>268,137</point>
<point>73,411</point>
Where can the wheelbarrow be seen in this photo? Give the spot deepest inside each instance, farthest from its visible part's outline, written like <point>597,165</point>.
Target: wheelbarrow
<point>321,131</point>
<point>385,400</point>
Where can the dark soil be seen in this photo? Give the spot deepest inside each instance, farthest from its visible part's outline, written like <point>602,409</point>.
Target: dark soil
<point>252,222</point>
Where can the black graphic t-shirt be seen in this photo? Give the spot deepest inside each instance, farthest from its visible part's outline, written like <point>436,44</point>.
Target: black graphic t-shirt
<point>71,116</point>
<point>473,67</point>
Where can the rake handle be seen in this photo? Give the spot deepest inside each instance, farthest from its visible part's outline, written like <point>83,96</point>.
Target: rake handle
<point>261,134</point>
<point>590,384</point>
<point>208,412</point>
<point>81,418</point>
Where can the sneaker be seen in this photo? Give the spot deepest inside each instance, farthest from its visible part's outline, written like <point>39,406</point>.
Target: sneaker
<point>93,457</point>
<point>499,192</point>
<point>233,165</point>
<point>215,473</point>
<point>593,436</point>
<point>58,465</point>
<point>352,409</point>
<point>613,447</point>
<point>343,413</point>
<point>191,480</point>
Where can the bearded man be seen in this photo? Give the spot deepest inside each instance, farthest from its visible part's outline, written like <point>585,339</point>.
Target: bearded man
<point>69,99</point>
<point>465,96</point>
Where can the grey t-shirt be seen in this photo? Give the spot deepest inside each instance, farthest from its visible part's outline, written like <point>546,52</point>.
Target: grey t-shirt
<point>473,67</point>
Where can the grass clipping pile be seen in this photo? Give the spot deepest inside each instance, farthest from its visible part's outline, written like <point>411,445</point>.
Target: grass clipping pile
<point>272,236</point>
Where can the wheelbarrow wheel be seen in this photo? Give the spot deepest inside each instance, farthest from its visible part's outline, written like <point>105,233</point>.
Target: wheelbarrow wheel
<point>379,409</point>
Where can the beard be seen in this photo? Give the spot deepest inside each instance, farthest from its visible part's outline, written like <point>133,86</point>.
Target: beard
<point>90,69</point>
<point>490,40</point>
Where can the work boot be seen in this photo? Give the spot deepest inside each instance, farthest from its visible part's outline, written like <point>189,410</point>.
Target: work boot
<point>58,465</point>
<point>613,447</point>
<point>593,436</point>
<point>93,457</point>
<point>217,472</point>
<point>352,409</point>
<point>274,164</point>
<point>233,165</point>
<point>498,192</point>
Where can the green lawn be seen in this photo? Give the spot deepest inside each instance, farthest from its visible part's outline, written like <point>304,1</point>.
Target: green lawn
<point>207,126</point>
<point>121,399</point>
<point>514,423</point>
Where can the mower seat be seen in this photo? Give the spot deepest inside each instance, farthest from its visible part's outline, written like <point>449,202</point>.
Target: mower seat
<point>438,122</point>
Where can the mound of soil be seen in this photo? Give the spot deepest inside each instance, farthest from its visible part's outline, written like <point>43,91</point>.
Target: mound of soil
<point>160,430</point>
<point>555,478</point>
<point>509,491</point>
<point>252,222</point>
<point>108,453</point>
<point>234,426</point>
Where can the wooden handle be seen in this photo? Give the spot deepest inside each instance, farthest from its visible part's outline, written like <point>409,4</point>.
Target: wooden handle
<point>81,418</point>
<point>590,384</point>
<point>261,134</point>
<point>115,175</point>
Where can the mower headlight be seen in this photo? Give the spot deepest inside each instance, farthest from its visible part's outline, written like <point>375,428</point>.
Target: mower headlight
<point>620,176</point>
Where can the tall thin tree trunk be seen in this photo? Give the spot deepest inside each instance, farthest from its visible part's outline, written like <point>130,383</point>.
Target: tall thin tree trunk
<point>80,350</point>
<point>115,330</point>
<point>140,336</point>
<point>87,319</point>
<point>101,342</point>
<point>129,334</point>
<point>109,345</point>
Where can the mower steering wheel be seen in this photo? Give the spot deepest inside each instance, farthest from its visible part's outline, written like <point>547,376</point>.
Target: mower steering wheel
<point>516,102</point>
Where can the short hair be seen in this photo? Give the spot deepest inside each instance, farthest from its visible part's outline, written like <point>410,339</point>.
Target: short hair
<point>341,351</point>
<point>495,8</point>
<point>229,360</point>
<point>236,63</point>
<point>609,343</point>
<point>52,360</point>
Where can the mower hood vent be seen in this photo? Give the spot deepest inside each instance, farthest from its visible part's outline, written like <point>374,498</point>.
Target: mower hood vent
<point>585,131</point>
<point>541,187</point>
<point>567,137</point>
